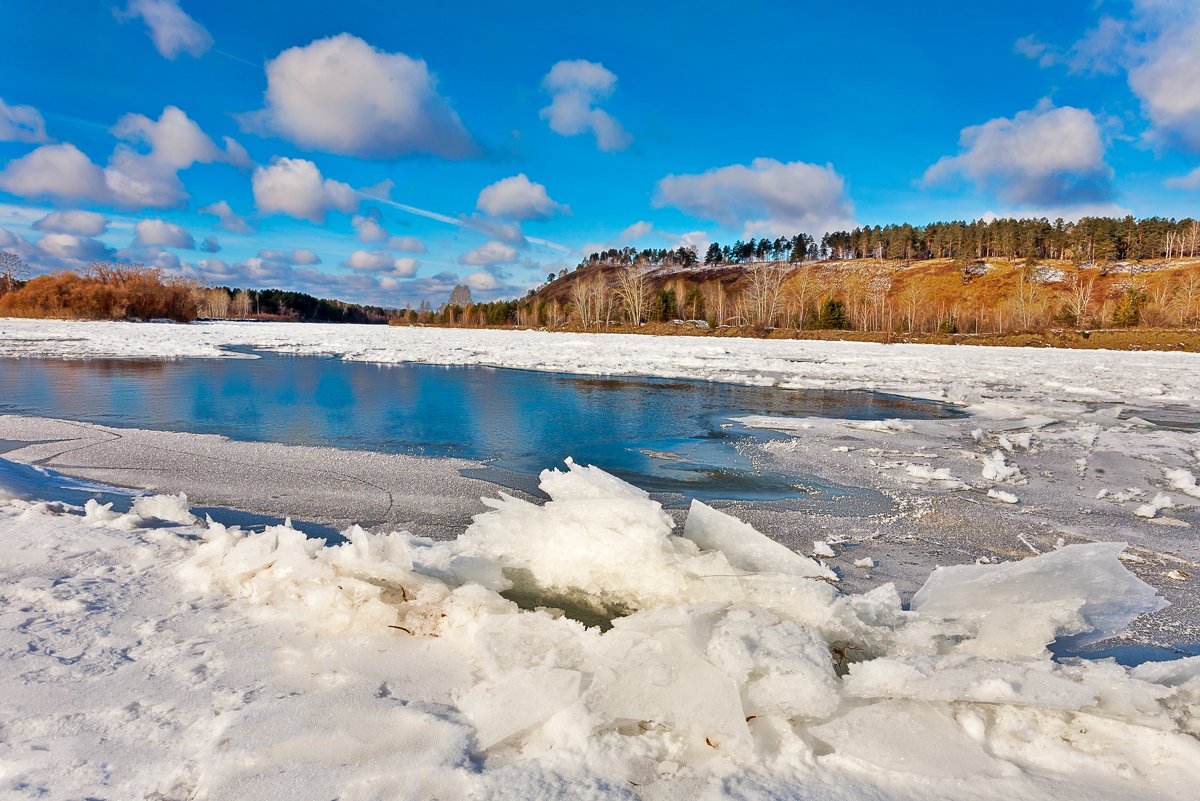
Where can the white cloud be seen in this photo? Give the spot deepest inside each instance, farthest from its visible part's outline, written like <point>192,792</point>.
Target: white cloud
<point>367,227</point>
<point>301,256</point>
<point>696,240</point>
<point>380,261</point>
<point>172,30</point>
<point>229,220</point>
<point>489,253</point>
<point>767,197</point>
<point>506,231</point>
<point>1155,45</point>
<point>482,282</point>
<point>517,198</point>
<point>175,142</point>
<point>1044,156</point>
<point>159,233</point>
<point>61,171</point>
<point>21,124</point>
<point>79,223</point>
<point>638,230</point>
<point>74,248</point>
<point>342,95</point>
<point>1165,73</point>
<point>297,188</point>
<point>406,244</point>
<point>211,244</point>
<point>576,87</point>
<point>1189,181</point>
<point>55,250</point>
<point>134,178</point>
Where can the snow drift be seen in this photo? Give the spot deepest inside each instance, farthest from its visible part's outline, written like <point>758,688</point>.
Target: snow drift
<point>603,645</point>
<point>723,646</point>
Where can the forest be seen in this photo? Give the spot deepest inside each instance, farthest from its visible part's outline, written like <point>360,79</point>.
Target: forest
<point>117,291</point>
<point>984,276</point>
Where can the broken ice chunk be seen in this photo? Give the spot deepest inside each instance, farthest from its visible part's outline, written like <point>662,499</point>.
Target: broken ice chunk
<point>1080,592</point>
<point>516,705</point>
<point>744,547</point>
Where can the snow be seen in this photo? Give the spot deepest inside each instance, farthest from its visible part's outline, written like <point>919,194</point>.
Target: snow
<point>1002,496</point>
<point>180,659</point>
<point>984,378</point>
<point>997,468</point>
<point>1184,481</point>
<point>596,645</point>
<point>1158,503</point>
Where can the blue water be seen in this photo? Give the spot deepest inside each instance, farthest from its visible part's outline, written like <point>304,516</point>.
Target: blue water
<point>664,435</point>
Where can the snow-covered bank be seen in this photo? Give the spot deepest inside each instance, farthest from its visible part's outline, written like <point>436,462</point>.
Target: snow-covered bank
<point>194,661</point>
<point>973,375</point>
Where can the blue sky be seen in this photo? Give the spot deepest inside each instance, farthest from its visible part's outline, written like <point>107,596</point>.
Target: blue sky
<point>382,152</point>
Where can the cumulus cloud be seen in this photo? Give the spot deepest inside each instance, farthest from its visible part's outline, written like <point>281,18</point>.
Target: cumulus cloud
<point>210,244</point>
<point>368,228</point>
<point>55,250</point>
<point>21,124</point>
<point>304,256</point>
<point>1044,156</point>
<point>60,171</point>
<point>1155,46</point>
<point>227,217</point>
<point>406,244</point>
<point>576,88</point>
<point>1189,181</point>
<point>79,223</point>
<point>517,198</point>
<point>342,95</point>
<point>636,231</point>
<point>380,261</point>
<point>160,233</point>
<point>766,197</point>
<point>172,30</point>
<point>174,142</point>
<point>1165,74</point>
<point>72,248</point>
<point>482,282</point>
<point>142,171</point>
<point>489,253</point>
<point>296,187</point>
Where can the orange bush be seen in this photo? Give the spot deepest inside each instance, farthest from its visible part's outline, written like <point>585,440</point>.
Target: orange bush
<point>104,292</point>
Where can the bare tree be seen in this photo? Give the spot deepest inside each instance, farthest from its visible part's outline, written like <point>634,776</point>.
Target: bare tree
<point>240,306</point>
<point>912,298</point>
<point>1028,301</point>
<point>1187,297</point>
<point>761,298</point>
<point>633,291</point>
<point>12,271</point>
<point>460,297</point>
<point>796,295</point>
<point>1192,237</point>
<point>1170,239</point>
<point>592,300</point>
<point>1079,297</point>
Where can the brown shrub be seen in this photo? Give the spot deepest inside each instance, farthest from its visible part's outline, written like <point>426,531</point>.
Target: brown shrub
<point>104,292</point>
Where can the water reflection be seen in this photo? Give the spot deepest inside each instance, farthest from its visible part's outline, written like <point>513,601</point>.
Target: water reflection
<point>664,434</point>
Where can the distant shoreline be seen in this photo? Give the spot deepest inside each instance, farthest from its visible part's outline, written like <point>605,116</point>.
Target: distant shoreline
<point>1186,340</point>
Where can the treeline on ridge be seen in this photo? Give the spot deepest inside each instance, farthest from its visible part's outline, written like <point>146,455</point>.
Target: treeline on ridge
<point>112,291</point>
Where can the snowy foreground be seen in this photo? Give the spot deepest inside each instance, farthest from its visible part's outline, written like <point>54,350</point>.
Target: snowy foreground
<point>154,656</point>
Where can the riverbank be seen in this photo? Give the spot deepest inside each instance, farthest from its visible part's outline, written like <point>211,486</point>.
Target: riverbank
<point>1138,339</point>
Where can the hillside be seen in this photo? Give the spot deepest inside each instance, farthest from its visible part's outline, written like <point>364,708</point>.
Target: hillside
<point>992,296</point>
